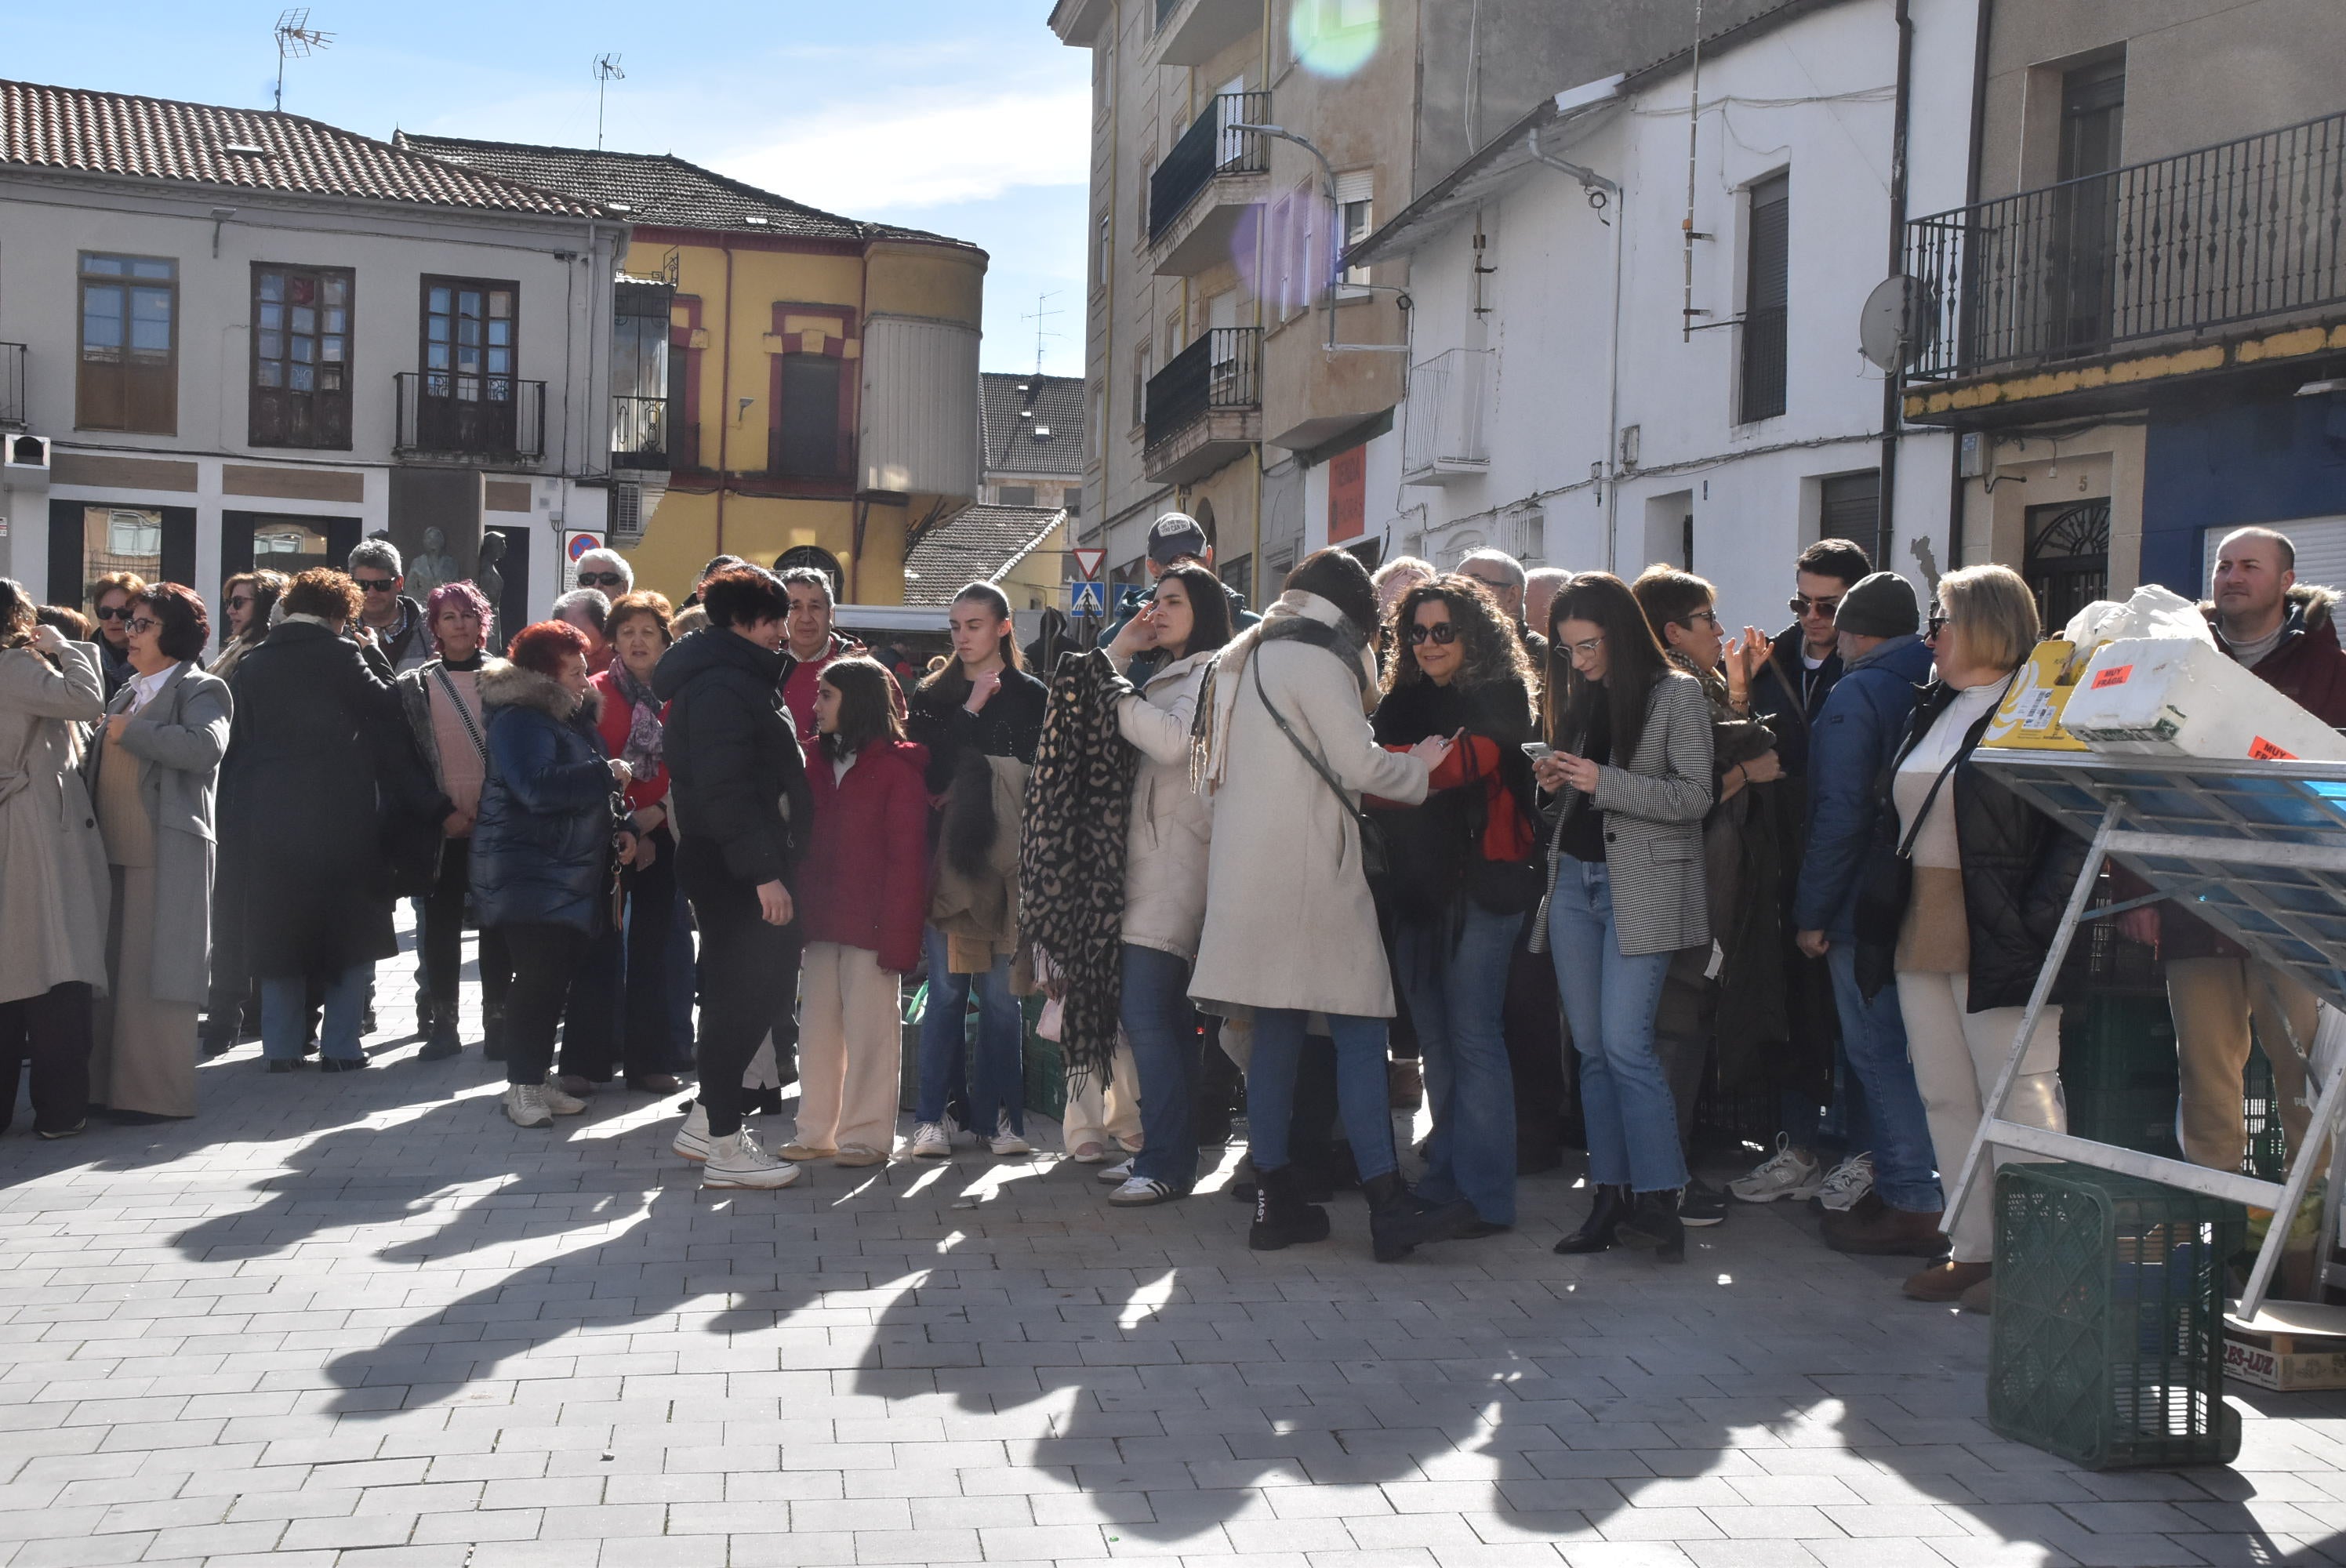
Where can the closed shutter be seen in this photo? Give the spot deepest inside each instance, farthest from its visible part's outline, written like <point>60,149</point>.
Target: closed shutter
<point>2321,551</point>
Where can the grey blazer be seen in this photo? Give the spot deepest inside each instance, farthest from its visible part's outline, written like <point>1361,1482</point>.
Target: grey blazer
<point>178,739</point>
<point>1652,810</point>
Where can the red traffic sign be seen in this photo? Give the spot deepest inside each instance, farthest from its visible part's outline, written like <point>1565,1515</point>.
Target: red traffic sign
<point>1089,561</point>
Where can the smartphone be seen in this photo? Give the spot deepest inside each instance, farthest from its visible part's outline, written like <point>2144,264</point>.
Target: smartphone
<point>1538,750</point>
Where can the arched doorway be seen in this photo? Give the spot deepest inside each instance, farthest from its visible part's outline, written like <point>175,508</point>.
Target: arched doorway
<point>822,560</point>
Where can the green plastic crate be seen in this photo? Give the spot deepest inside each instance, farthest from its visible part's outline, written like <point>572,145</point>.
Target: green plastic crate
<point>2268,1146</point>
<point>1045,1081</point>
<point>2107,1343</point>
<point>2118,1074</point>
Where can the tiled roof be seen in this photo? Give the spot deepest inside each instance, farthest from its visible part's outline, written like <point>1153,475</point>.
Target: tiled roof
<point>1016,445</point>
<point>971,546</point>
<point>255,149</point>
<point>656,188</point>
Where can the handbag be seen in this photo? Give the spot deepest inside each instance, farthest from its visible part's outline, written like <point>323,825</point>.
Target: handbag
<point>1376,856</point>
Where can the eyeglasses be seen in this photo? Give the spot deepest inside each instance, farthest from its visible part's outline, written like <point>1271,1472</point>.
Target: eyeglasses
<point>375,584</point>
<point>1708,616</point>
<point>1802,605</point>
<point>1931,627</point>
<point>600,580</point>
<point>1443,632</point>
<point>142,625</point>
<point>1588,648</point>
<point>110,613</point>
<point>240,602</point>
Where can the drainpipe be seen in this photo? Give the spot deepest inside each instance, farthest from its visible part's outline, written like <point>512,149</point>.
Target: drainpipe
<point>1958,492</point>
<point>1596,185</point>
<point>725,400</point>
<point>1892,411</point>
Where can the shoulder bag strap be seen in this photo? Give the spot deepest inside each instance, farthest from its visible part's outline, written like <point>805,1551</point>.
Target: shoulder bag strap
<point>472,728</point>
<point>1255,662</point>
<point>1963,749</point>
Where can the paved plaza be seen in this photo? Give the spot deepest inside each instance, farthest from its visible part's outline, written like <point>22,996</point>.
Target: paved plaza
<point>363,1322</point>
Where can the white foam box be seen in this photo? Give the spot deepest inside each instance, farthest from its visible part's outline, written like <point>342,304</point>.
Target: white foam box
<point>2180,697</point>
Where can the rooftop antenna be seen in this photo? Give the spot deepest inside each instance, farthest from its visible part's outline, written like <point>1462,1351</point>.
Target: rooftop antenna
<point>607,70</point>
<point>295,39</point>
<point>1038,315</point>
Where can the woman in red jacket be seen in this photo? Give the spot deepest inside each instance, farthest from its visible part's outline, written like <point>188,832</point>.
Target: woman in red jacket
<point>863,898</point>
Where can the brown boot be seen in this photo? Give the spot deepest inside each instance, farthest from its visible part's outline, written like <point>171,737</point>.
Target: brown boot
<point>1875,1229</point>
<point>1946,1281</point>
<point>1404,1085</point>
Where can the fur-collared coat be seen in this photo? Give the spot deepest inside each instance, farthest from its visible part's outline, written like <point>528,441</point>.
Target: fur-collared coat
<point>53,892</point>
<point>542,848</point>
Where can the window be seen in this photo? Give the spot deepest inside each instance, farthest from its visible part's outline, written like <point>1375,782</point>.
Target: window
<point>1147,183</point>
<point>1106,249</point>
<point>1355,212</point>
<point>1072,498</point>
<point>822,560</point>
<point>129,376</point>
<point>1282,257</point>
<point>301,356</point>
<point>1143,359</point>
<point>1848,506</point>
<point>466,396</point>
<point>1303,259</point>
<point>806,438</point>
<point>1014,496</point>
<point>1767,268</point>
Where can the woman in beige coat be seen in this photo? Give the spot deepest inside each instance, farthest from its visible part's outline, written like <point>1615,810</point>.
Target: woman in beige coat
<point>52,867</point>
<point>1290,925</point>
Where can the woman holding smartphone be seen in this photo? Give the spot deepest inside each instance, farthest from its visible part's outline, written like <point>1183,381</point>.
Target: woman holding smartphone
<point>1631,781</point>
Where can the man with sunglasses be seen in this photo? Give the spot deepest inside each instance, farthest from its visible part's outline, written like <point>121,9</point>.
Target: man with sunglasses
<point>396,620</point>
<point>1791,674</point>
<point>606,572</point>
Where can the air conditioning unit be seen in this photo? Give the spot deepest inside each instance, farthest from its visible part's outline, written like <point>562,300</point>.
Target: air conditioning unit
<point>24,454</point>
<point>626,514</point>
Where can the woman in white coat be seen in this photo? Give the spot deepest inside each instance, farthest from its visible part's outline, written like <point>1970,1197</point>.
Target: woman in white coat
<point>53,877</point>
<point>1165,874</point>
<point>1291,924</point>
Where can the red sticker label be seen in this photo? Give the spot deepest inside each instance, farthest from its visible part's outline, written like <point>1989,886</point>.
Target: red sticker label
<point>2115,676</point>
<point>2264,751</point>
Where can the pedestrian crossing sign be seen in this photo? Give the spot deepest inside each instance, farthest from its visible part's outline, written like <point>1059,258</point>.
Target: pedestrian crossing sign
<point>1086,599</point>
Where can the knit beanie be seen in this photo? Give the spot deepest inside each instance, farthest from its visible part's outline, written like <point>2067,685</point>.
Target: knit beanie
<point>1881,606</point>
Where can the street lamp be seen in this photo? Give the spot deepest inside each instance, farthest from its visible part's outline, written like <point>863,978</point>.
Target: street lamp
<point>1336,213</point>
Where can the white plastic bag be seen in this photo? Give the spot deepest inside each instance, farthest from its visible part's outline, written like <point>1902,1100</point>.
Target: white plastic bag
<point>2152,612</point>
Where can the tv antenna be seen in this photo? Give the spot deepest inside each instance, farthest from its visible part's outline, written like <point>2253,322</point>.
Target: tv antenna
<point>296,39</point>
<point>607,71</point>
<point>1038,315</point>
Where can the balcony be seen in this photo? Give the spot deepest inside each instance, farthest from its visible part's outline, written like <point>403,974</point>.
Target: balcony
<point>12,386</point>
<point>1205,408</point>
<point>2183,247</point>
<point>1192,32</point>
<point>468,418</point>
<point>639,434</point>
<point>1213,180</point>
<point>1442,429</point>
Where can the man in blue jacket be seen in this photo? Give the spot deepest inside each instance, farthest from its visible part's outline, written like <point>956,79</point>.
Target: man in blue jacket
<point>1853,741</point>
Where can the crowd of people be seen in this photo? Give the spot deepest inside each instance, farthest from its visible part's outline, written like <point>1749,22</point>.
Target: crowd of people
<point>1551,855</point>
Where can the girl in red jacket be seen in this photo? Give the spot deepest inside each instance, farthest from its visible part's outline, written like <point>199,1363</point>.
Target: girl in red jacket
<point>863,897</point>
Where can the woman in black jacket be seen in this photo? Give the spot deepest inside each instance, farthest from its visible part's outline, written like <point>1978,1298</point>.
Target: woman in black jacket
<point>741,812</point>
<point>975,713</point>
<point>1991,873</point>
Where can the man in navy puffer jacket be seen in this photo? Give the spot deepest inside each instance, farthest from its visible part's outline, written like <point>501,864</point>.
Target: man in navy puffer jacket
<point>1854,739</point>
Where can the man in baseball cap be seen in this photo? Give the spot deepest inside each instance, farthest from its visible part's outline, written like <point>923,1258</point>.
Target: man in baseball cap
<point>1173,539</point>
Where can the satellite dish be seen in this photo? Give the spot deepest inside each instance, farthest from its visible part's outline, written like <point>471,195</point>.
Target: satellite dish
<point>1897,324</point>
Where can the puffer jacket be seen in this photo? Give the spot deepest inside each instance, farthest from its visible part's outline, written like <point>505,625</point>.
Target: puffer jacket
<point>1858,731</point>
<point>542,848</point>
<point>865,882</point>
<point>2019,866</point>
<point>738,779</point>
<point>1171,828</point>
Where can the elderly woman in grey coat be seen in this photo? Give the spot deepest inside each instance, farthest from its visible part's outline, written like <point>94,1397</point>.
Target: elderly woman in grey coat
<point>52,867</point>
<point>150,770</point>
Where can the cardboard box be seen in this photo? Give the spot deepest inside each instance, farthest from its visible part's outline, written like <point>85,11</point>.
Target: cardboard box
<point>2179,696</point>
<point>2285,1347</point>
<point>2029,718</point>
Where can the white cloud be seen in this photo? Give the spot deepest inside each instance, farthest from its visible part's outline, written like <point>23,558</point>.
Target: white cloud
<point>869,158</point>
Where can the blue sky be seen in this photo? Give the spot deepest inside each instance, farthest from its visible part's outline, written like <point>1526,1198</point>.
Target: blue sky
<point>964,117</point>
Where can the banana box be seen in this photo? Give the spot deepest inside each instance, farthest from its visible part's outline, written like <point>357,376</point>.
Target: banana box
<point>2029,718</point>
<point>2180,697</point>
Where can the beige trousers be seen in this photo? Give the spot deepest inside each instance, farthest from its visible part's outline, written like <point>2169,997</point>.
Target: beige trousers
<point>851,1049</point>
<point>2213,999</point>
<point>1957,1057</point>
<point>1101,1112</point>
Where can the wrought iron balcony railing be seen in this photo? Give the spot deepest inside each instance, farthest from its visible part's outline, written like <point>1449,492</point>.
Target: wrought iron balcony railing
<point>1222,369</point>
<point>1442,434</point>
<point>639,434</point>
<point>2237,232</point>
<point>446,414</point>
<point>13,413</point>
<point>1207,149</point>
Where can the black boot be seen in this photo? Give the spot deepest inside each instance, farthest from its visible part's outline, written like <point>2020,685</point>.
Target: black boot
<point>1400,1221</point>
<point>1281,1217</point>
<point>1653,1221</point>
<point>442,1040</point>
<point>1597,1232</point>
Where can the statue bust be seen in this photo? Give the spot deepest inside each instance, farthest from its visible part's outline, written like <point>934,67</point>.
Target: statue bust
<point>432,566</point>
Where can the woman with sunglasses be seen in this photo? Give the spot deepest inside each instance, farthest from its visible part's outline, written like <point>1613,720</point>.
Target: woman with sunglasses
<point>149,771</point>
<point>245,600</point>
<point>1630,772</point>
<point>1462,877</point>
<point>110,608</point>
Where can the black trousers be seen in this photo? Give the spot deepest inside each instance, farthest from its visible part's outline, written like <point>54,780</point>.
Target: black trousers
<point>52,1032</point>
<point>749,973</point>
<point>546,960</point>
<point>1532,1021</point>
<point>619,1015</point>
<point>232,981</point>
<point>442,938</point>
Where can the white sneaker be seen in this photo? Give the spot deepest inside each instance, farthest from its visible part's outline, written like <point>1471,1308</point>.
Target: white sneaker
<point>562,1102</point>
<point>1140,1192</point>
<point>738,1161</point>
<point>1115,1174</point>
<point>692,1139</point>
<point>932,1140</point>
<point>1846,1183</point>
<point>1007,1142</point>
<point>525,1106</point>
<point>1788,1173</point>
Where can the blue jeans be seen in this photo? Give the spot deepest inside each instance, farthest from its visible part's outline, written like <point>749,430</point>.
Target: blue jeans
<point>997,1080</point>
<point>1363,1096</point>
<point>1455,982</point>
<point>1164,1033</point>
<point>1874,1034</point>
<point>1610,1000</point>
<point>285,1015</point>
